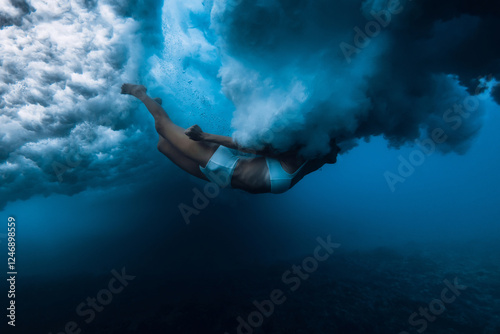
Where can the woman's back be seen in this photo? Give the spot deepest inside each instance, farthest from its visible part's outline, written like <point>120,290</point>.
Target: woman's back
<point>252,175</point>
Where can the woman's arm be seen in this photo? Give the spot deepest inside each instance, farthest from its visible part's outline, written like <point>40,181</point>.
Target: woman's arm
<point>195,133</point>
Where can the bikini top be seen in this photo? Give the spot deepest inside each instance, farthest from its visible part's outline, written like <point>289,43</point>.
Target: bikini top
<point>221,166</point>
<point>281,181</point>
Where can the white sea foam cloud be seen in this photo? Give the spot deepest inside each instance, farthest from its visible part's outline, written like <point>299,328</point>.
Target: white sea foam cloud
<point>280,65</point>
<point>62,65</point>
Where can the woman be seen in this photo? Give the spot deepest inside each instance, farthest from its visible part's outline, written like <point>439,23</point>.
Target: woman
<point>221,160</point>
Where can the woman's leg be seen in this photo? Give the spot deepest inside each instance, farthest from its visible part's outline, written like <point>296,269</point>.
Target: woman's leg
<point>180,159</point>
<point>199,152</point>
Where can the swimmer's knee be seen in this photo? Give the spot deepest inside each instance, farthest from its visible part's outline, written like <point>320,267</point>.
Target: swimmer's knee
<point>159,125</point>
<point>161,144</point>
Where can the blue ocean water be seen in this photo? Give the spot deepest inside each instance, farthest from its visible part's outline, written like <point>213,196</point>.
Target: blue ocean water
<point>415,232</point>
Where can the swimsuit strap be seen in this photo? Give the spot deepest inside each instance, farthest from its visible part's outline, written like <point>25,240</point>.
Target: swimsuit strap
<point>280,179</point>
<point>298,170</point>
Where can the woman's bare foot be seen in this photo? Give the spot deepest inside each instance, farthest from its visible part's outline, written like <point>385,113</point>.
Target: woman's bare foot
<point>138,91</point>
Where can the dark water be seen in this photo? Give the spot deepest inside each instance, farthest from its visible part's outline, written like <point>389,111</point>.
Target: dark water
<point>371,291</point>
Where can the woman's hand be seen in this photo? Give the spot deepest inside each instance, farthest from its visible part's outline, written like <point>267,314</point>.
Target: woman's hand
<point>195,133</point>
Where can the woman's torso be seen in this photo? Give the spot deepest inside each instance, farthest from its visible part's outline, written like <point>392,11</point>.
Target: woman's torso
<point>252,174</point>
